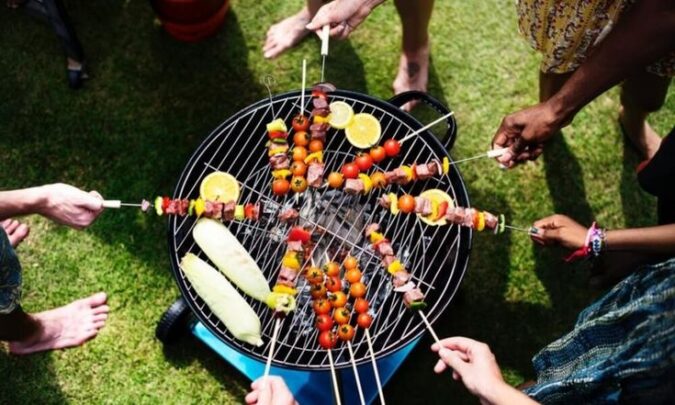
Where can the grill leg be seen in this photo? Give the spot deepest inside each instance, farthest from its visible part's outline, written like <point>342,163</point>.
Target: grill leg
<point>54,12</point>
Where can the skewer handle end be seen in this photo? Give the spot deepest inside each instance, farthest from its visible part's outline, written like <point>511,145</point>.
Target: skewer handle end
<point>496,152</point>
<point>325,35</point>
<point>112,204</point>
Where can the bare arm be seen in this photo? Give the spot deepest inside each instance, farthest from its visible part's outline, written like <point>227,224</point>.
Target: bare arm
<point>645,33</point>
<point>21,202</point>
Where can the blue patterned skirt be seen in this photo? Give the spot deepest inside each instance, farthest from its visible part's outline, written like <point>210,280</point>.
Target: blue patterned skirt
<point>621,350</point>
<point>10,276</point>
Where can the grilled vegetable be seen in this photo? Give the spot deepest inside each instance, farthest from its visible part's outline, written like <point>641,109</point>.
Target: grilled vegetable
<point>278,125</point>
<point>223,299</point>
<point>231,258</point>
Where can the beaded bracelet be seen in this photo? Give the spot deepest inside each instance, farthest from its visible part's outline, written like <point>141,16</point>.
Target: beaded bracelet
<point>594,243</point>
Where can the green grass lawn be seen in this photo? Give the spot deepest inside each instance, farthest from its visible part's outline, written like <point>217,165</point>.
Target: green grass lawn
<point>151,100</point>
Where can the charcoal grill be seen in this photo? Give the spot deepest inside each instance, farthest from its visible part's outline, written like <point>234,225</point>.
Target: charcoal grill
<point>437,257</point>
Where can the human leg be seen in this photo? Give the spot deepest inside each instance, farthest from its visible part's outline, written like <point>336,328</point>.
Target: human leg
<point>413,69</point>
<point>289,32</point>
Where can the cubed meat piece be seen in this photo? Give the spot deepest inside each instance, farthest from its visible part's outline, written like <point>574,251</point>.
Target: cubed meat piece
<point>321,112</point>
<point>288,215</point>
<point>400,176</point>
<point>319,136</point>
<point>183,206</point>
<point>216,209</point>
<point>384,248</point>
<point>280,161</point>
<point>315,174</point>
<point>468,217</point>
<point>295,246</point>
<point>324,87</point>
<point>401,278</point>
<point>384,201</point>
<point>323,127</point>
<point>387,260</point>
<point>255,213</point>
<point>171,208</point>
<point>422,206</point>
<point>228,211</point>
<point>412,296</point>
<point>422,172</point>
<point>459,214</point>
<point>435,167</point>
<point>354,186</point>
<point>370,229</point>
<point>319,102</point>
<point>491,221</point>
<point>288,274</point>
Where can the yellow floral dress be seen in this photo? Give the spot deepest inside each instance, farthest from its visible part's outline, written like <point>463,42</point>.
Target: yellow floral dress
<point>565,31</point>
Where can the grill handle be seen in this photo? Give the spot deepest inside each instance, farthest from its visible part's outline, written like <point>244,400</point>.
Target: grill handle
<point>451,133</point>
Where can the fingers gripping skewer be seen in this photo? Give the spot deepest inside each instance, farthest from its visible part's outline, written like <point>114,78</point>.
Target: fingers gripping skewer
<point>333,375</point>
<point>375,371</point>
<point>268,365</point>
<point>424,128</point>
<point>325,35</point>
<point>356,373</point>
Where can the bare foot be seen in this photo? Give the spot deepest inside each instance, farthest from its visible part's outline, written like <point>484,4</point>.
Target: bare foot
<point>16,231</point>
<point>286,34</point>
<point>413,73</point>
<point>640,134</point>
<point>68,326</point>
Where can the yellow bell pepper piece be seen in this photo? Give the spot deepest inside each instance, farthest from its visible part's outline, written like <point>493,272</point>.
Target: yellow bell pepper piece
<point>284,289</point>
<point>291,261</point>
<point>318,156</point>
<point>393,207</point>
<point>434,209</point>
<point>481,221</point>
<point>321,120</point>
<point>199,207</point>
<point>446,165</point>
<point>281,173</point>
<point>239,213</point>
<point>408,172</point>
<point>278,125</point>
<point>276,151</point>
<point>395,267</point>
<point>376,237</point>
<point>367,183</point>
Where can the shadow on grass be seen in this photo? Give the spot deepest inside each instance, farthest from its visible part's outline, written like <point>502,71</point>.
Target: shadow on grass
<point>30,380</point>
<point>632,195</point>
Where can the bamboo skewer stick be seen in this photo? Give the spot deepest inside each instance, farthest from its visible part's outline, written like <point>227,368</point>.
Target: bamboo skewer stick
<point>325,35</point>
<point>304,83</point>
<point>429,328</point>
<point>375,371</point>
<point>424,128</point>
<point>268,365</point>
<point>336,388</point>
<point>119,204</point>
<point>489,154</point>
<point>356,373</point>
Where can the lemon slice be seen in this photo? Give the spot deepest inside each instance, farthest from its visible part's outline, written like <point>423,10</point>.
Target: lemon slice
<point>436,197</point>
<point>341,114</point>
<point>219,186</point>
<point>364,131</point>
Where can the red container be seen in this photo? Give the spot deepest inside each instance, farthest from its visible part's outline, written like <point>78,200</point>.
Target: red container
<point>191,20</point>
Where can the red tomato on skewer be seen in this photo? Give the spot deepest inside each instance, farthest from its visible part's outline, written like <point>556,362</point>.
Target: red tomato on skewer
<point>364,162</point>
<point>333,284</point>
<point>346,332</point>
<point>378,154</point>
<point>364,321</point>
<point>392,147</point>
<point>324,322</point>
<point>327,339</point>
<point>350,170</point>
<point>300,123</point>
<point>322,306</point>
<point>361,305</point>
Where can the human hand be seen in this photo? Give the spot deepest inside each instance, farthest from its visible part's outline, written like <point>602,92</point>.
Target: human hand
<point>343,16</point>
<point>70,206</point>
<point>472,362</point>
<point>270,390</point>
<point>524,133</point>
<point>560,229</point>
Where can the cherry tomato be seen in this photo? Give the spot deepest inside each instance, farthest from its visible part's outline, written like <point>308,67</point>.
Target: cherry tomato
<point>323,322</point>
<point>280,186</point>
<point>298,183</point>
<point>301,138</point>
<point>341,316</point>
<point>299,153</point>
<point>406,203</point>
<point>314,275</point>
<point>335,180</point>
<point>315,146</point>
<point>333,284</point>
<point>322,306</point>
<point>346,332</point>
<point>327,339</point>
<point>350,170</point>
<point>338,299</point>
<point>378,154</point>
<point>298,233</point>
<point>364,321</point>
<point>318,291</point>
<point>378,179</point>
<point>361,305</point>
<point>300,123</point>
<point>364,162</point>
<point>350,263</point>
<point>332,269</point>
<point>357,290</point>
<point>392,147</point>
<point>353,276</point>
<point>298,168</point>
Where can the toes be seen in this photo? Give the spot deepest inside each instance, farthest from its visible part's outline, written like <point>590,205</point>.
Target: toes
<point>100,317</point>
<point>98,325</point>
<point>10,226</point>
<point>97,299</point>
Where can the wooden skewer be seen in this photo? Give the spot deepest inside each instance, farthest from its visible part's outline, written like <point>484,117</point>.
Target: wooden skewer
<point>424,128</point>
<point>429,328</point>
<point>304,81</point>
<point>377,373</point>
<point>118,204</point>
<point>356,373</point>
<point>268,365</point>
<point>533,230</point>
<point>489,154</point>
<point>325,35</point>
<point>336,388</point>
